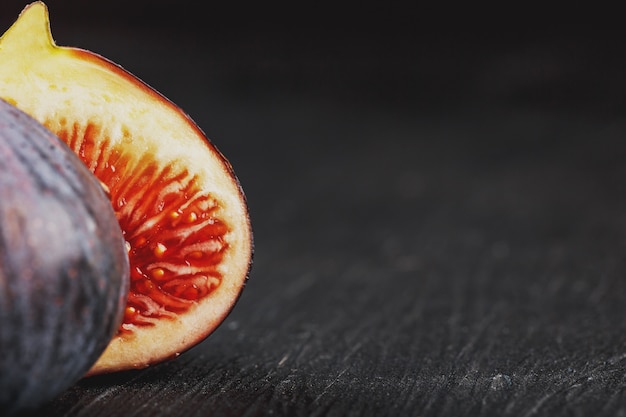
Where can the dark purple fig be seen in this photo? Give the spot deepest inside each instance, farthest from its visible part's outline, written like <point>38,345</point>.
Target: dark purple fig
<point>64,271</point>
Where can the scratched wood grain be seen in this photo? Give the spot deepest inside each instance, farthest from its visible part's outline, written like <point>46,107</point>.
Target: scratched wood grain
<point>431,239</point>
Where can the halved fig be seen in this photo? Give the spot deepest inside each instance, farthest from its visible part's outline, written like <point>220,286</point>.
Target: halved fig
<point>177,200</point>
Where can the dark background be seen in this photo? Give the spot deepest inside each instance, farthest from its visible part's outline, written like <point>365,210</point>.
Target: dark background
<point>437,195</point>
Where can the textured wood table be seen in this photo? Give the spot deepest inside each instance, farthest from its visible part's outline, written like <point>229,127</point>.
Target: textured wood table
<point>440,223</point>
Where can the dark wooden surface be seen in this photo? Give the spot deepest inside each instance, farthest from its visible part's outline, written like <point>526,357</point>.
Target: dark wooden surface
<point>439,213</point>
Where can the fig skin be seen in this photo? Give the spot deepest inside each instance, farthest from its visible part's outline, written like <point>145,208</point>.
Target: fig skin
<point>64,272</point>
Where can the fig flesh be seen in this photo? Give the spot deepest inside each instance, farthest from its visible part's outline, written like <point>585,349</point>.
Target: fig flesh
<point>179,204</point>
<point>64,273</point>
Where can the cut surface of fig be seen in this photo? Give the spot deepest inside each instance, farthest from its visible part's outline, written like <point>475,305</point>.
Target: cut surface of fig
<point>177,200</point>
<point>64,272</point>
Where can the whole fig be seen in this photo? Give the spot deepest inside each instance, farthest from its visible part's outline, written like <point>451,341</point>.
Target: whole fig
<point>64,271</point>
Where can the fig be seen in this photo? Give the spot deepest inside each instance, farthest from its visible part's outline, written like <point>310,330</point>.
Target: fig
<point>64,272</point>
<point>180,206</point>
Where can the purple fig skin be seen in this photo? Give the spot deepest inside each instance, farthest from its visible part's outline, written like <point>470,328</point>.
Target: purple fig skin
<point>64,273</point>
